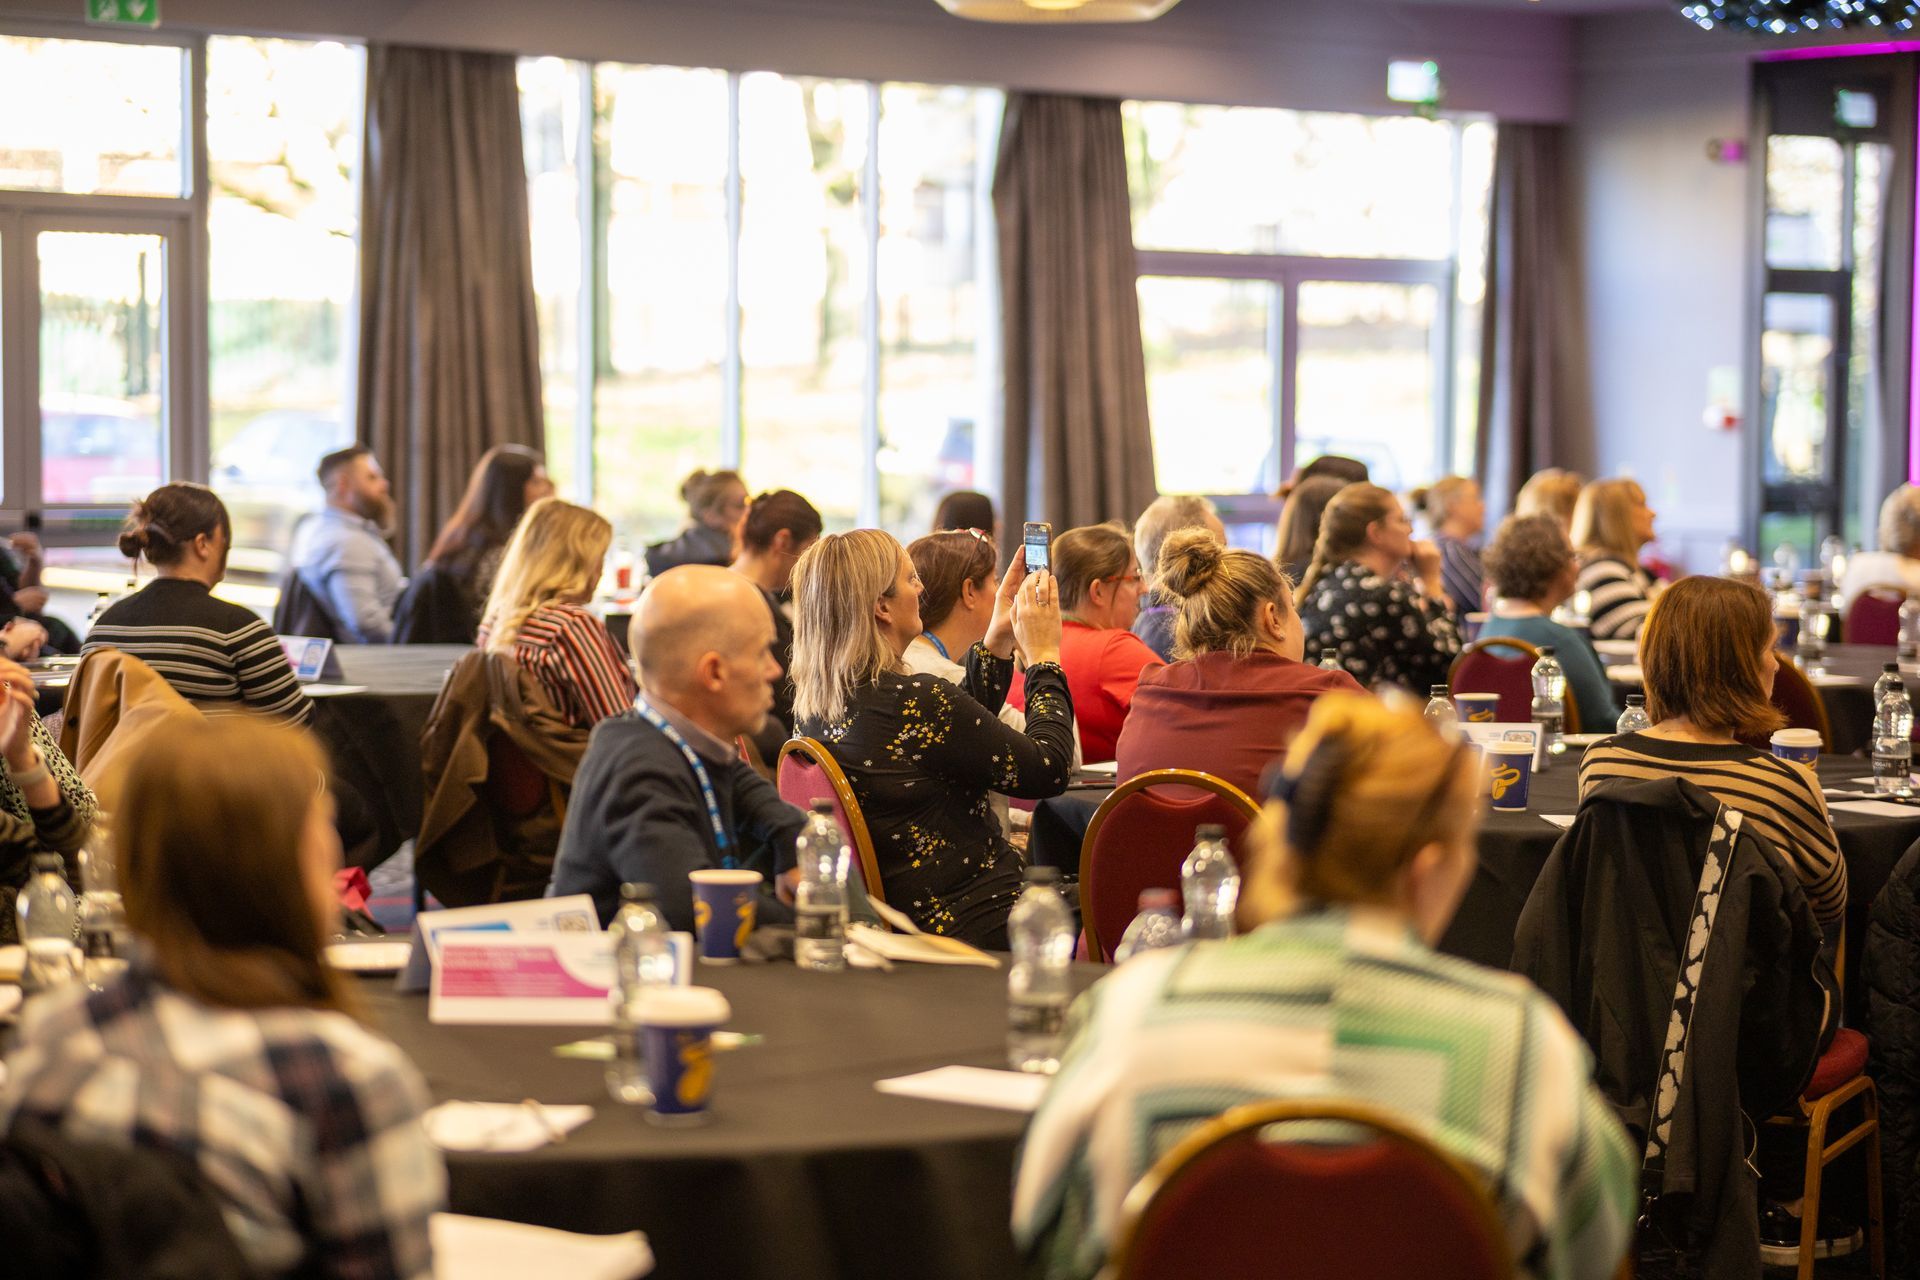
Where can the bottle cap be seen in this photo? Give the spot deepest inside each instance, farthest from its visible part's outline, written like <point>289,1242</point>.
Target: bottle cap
<point>822,805</point>
<point>1636,699</point>
<point>638,892</point>
<point>1210,831</point>
<point>1437,691</point>
<point>1546,651</point>
<point>1891,668</point>
<point>49,862</point>
<point>1043,875</point>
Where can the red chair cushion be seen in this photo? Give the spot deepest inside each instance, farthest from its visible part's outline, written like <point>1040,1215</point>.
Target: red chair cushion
<point>1509,676</point>
<point>1844,1059</point>
<point>1874,618</point>
<point>801,782</point>
<point>1140,846</point>
<point>1249,1208</point>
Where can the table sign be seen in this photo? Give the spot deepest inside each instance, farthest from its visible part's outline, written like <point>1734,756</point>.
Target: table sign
<point>572,914</point>
<point>523,979</point>
<point>1482,735</point>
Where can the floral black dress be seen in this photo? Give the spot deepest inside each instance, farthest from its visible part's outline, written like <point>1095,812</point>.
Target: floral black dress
<point>922,756</point>
<point>1384,629</point>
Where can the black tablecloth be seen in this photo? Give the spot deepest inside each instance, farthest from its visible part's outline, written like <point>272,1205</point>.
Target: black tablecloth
<point>805,1171</point>
<point>1514,846</point>
<point>374,735</point>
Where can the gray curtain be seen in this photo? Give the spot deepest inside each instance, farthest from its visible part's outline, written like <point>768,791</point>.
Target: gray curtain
<point>1535,403</point>
<point>1077,448</point>
<point>449,352</point>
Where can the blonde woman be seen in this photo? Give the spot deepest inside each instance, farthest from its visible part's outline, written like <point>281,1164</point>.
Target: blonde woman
<point>1457,514</point>
<point>1358,864</point>
<point>1550,492</point>
<point>1238,692</point>
<point>1358,600</point>
<point>1611,522</point>
<point>538,613</point>
<point>921,753</point>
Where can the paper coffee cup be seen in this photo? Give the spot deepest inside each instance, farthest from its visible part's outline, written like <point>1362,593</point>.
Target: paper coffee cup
<point>1802,746</point>
<point>1474,621</point>
<point>723,909</point>
<point>1509,775</point>
<point>1477,708</point>
<point>676,1034</point>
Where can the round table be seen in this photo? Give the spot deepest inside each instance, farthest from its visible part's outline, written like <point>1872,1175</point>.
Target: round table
<point>805,1171</point>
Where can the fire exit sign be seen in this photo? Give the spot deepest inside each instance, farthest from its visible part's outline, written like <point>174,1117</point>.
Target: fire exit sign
<point>124,13</point>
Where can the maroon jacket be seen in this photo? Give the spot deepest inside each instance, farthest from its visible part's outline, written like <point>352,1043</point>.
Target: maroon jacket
<point>1225,715</point>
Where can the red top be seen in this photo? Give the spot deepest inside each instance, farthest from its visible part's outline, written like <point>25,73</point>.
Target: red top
<point>1225,715</point>
<point>1103,664</point>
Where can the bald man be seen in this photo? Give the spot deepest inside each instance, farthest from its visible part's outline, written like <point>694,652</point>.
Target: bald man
<point>662,790</point>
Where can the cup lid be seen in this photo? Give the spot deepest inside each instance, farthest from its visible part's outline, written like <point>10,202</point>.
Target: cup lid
<point>1796,737</point>
<point>724,875</point>
<point>682,1007</point>
<point>1506,748</point>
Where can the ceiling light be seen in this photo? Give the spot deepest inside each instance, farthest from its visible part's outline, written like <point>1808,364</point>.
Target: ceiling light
<point>1800,17</point>
<point>1058,10</point>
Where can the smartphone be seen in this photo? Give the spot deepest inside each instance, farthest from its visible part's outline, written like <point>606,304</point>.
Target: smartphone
<point>1037,537</point>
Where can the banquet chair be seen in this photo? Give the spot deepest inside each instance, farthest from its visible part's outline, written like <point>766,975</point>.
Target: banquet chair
<point>1796,697</point>
<point>807,772</point>
<point>1138,838</point>
<point>1479,670</point>
<point>1240,1198</point>
<point>1874,616</point>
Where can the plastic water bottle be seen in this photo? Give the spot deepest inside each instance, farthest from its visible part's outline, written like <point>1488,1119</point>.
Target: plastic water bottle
<point>820,903</point>
<point>1550,700</point>
<point>1634,718</point>
<point>1889,676</point>
<point>1210,883</point>
<point>101,600</point>
<point>1157,925</point>
<point>1910,629</point>
<point>1816,622</point>
<point>47,913</point>
<point>1893,737</point>
<point>1330,660</point>
<point>1041,934</point>
<point>642,958</point>
<point>1440,713</point>
<point>103,918</point>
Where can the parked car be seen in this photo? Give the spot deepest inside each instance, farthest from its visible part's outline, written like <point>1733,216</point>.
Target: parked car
<point>97,449</point>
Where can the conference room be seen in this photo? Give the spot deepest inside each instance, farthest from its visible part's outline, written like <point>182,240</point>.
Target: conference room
<point>960,638</point>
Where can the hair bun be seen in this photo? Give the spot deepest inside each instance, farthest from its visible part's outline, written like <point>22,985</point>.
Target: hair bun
<point>1189,559</point>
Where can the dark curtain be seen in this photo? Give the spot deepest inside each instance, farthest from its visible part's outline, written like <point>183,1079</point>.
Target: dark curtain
<point>1535,407</point>
<point>1077,449</point>
<point>449,352</point>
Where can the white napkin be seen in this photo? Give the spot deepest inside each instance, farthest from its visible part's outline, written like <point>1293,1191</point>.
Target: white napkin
<point>488,1249</point>
<point>502,1126</point>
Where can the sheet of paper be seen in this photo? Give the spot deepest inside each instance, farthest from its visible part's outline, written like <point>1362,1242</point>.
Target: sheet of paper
<point>370,957</point>
<point>1560,820</point>
<point>971,1086</point>
<point>332,690</point>
<point>918,948</point>
<point>1828,680</point>
<point>1617,648</point>
<point>1108,769</point>
<point>1878,808</point>
<point>1626,673</point>
<point>488,1249</point>
<point>501,1126</point>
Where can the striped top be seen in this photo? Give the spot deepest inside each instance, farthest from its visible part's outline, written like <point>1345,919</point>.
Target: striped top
<point>1619,594</point>
<point>217,655</point>
<point>1337,1004</point>
<point>1461,572</point>
<point>570,653</point>
<point>1782,802</point>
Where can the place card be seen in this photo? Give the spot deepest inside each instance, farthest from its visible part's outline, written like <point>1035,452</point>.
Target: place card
<point>571,914</point>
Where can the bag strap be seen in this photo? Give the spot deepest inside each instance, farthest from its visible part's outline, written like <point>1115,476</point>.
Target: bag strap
<point>1686,993</point>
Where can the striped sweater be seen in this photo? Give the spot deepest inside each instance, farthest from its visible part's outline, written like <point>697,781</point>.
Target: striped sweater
<point>217,655</point>
<point>1619,595</point>
<point>1338,1004</point>
<point>570,653</point>
<point>1782,802</point>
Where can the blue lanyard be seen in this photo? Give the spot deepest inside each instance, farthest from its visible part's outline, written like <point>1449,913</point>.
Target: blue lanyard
<point>700,774</point>
<point>934,640</point>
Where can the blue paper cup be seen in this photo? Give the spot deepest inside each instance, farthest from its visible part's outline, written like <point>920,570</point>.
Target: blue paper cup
<point>723,907</point>
<point>676,1037</point>
<point>1473,622</point>
<point>1477,708</point>
<point>1509,775</point>
<point>1802,746</point>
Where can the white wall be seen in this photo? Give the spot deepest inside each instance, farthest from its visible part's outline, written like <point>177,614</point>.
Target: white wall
<point>1297,53</point>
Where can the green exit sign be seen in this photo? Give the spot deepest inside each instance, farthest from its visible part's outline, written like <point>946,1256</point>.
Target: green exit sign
<point>124,13</point>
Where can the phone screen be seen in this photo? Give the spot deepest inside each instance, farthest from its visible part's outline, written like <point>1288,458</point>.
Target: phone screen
<point>1038,538</point>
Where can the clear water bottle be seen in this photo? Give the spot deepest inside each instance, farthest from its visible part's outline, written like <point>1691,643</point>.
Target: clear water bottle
<point>1157,925</point>
<point>1550,700</point>
<point>1832,547</point>
<point>1041,934</point>
<point>1440,713</point>
<point>48,912</point>
<point>103,918</point>
<point>820,903</point>
<point>1910,629</point>
<point>642,958</point>
<point>1893,738</point>
<point>1889,676</point>
<point>101,600</point>
<point>1635,717</point>
<point>1330,660</point>
<point>1210,883</point>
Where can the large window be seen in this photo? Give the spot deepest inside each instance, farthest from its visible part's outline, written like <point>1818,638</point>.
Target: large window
<point>787,280</point>
<point>1322,300</point>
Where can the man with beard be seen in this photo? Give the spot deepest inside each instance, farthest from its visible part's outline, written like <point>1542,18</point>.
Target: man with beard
<point>342,554</point>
